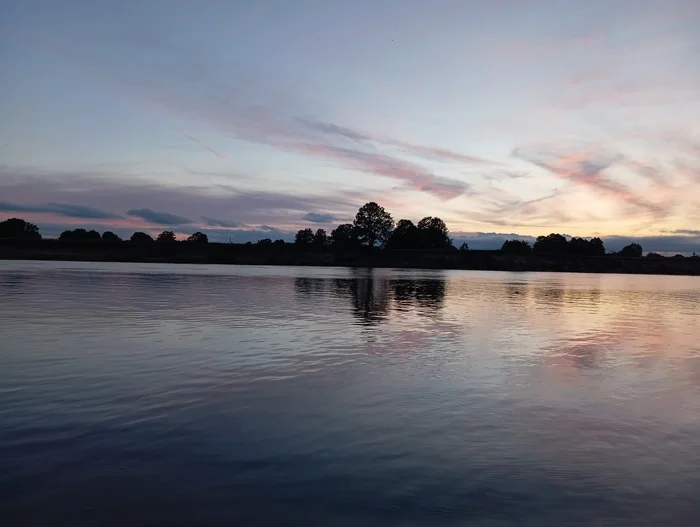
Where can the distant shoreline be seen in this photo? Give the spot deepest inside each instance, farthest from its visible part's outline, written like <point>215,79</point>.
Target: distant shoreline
<point>292,255</point>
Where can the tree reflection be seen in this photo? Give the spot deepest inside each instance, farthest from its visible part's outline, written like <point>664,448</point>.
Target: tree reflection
<point>369,296</point>
<point>309,286</point>
<point>373,294</point>
<point>426,294</point>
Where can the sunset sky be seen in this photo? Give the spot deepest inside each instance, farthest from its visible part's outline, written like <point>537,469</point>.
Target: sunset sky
<point>253,118</point>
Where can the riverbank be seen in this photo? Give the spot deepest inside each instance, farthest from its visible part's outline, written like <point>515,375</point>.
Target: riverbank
<point>289,254</point>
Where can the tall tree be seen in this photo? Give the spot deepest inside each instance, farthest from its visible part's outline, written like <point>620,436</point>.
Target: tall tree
<point>551,244</point>
<point>80,235</point>
<point>373,224</point>
<point>320,239</point>
<point>19,229</point>
<point>304,237</point>
<point>140,238</point>
<point>596,247</point>
<point>166,237</point>
<point>519,247</point>
<point>344,236</point>
<point>198,237</point>
<point>405,236</point>
<point>109,236</point>
<point>434,233</point>
<point>633,250</point>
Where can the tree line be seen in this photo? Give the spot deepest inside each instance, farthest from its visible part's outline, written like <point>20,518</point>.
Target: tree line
<point>373,226</point>
<point>19,229</point>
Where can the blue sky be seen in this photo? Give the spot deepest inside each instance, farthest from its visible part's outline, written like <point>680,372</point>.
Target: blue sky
<point>255,118</point>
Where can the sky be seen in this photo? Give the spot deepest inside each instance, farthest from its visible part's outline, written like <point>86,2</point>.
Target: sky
<point>251,119</point>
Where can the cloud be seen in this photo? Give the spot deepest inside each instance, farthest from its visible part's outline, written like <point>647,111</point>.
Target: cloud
<point>412,175</point>
<point>158,218</point>
<point>687,232</point>
<point>221,223</point>
<point>436,153</point>
<point>586,167</point>
<point>107,188</point>
<point>61,209</point>
<point>268,228</point>
<point>201,143</point>
<point>319,217</point>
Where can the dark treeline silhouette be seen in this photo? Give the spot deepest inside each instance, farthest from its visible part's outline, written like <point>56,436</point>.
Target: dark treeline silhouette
<point>374,227</point>
<point>371,240</point>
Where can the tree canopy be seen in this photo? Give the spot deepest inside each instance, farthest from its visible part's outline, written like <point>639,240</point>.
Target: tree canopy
<point>405,236</point>
<point>552,244</point>
<point>80,235</point>
<point>373,224</point>
<point>19,229</point>
<point>518,247</point>
<point>109,236</point>
<point>166,237</point>
<point>140,237</point>
<point>198,237</point>
<point>320,239</point>
<point>344,236</point>
<point>434,233</point>
<point>633,250</point>
<point>304,237</point>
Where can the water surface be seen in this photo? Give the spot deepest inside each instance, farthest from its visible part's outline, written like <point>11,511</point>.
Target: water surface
<point>136,394</point>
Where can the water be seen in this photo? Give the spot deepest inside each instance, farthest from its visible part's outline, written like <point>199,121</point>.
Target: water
<point>181,395</point>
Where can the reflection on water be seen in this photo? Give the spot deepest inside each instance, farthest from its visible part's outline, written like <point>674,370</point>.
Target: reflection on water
<point>209,395</point>
<point>372,294</point>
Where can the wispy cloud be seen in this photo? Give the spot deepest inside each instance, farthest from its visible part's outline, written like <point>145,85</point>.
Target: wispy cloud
<point>61,209</point>
<point>586,168</point>
<point>429,152</point>
<point>201,143</point>
<point>111,189</point>
<point>159,218</point>
<point>221,223</point>
<point>411,174</point>
<point>319,217</point>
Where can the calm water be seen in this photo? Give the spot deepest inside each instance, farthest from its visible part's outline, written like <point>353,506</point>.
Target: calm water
<point>183,395</point>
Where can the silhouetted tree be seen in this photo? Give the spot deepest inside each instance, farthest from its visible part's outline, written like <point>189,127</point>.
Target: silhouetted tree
<point>373,224</point>
<point>551,244</point>
<point>581,246</point>
<point>434,233</point>
<point>265,241</point>
<point>166,237</point>
<point>596,247</point>
<point>633,250</point>
<point>519,247</point>
<point>198,237</point>
<point>80,235</point>
<point>344,236</point>
<point>654,255</point>
<point>304,237</point>
<point>280,242</point>
<point>464,247</point>
<point>19,229</point>
<point>140,238</point>
<point>405,236</point>
<point>320,239</point>
<point>109,236</point>
<point>578,246</point>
